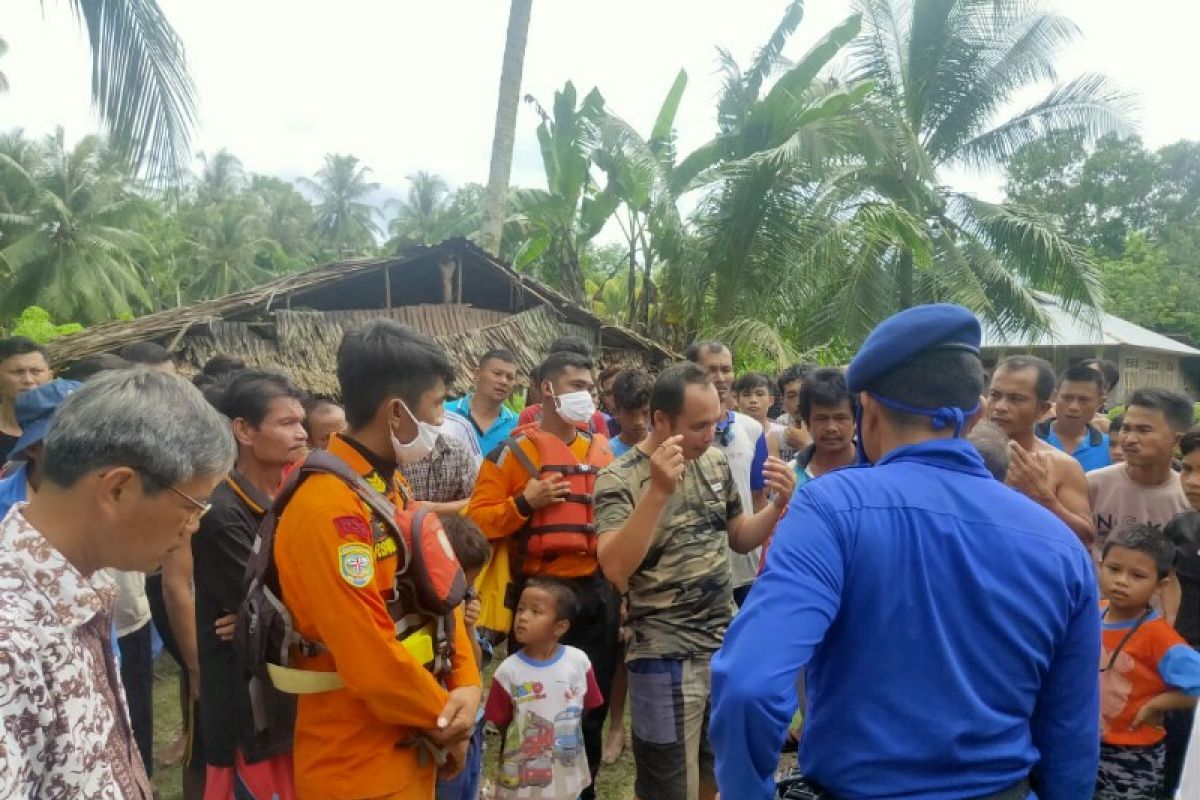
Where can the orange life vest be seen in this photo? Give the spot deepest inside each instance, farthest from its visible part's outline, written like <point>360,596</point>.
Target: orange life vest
<point>567,527</point>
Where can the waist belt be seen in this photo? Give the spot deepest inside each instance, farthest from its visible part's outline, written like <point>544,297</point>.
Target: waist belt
<point>307,681</point>
<point>799,788</point>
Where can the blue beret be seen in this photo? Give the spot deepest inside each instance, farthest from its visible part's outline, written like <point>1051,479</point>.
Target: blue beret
<point>902,337</point>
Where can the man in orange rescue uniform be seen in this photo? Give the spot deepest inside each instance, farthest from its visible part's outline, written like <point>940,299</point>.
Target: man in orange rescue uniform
<point>336,569</point>
<point>534,495</point>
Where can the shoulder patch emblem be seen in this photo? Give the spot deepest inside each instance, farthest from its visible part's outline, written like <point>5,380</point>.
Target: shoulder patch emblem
<point>356,565</point>
<point>351,527</point>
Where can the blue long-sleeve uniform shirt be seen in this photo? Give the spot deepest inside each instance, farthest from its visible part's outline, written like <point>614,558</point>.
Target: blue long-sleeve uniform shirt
<point>950,629</point>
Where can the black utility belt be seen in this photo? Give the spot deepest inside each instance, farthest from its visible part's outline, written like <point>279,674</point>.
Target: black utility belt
<point>797,787</point>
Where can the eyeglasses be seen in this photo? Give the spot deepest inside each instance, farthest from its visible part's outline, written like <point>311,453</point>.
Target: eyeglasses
<point>202,508</point>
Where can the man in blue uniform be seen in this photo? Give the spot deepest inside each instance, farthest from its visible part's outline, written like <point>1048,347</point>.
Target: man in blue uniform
<point>949,624</point>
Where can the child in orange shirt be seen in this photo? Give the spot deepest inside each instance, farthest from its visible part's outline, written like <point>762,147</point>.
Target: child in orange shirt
<point>1146,668</point>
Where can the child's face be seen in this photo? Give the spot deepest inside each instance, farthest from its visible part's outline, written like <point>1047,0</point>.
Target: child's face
<point>755,402</point>
<point>1115,454</point>
<point>634,422</point>
<point>537,619</point>
<point>1128,578</point>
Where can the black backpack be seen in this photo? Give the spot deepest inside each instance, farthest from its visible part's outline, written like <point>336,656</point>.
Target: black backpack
<point>265,633</point>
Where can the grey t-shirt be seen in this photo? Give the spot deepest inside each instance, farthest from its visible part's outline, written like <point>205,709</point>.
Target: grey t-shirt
<point>1118,502</point>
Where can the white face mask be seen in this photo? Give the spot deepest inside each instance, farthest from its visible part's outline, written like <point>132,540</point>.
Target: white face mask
<point>421,445</point>
<point>575,407</point>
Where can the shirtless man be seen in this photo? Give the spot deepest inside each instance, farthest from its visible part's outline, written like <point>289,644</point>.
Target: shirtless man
<point>1018,397</point>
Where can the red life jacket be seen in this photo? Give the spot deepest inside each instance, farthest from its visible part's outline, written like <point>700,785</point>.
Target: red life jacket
<point>567,527</point>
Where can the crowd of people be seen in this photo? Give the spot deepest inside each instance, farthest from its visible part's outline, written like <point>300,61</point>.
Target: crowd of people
<point>930,581</point>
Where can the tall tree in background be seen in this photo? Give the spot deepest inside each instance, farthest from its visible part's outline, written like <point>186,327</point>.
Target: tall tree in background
<point>507,105</point>
<point>221,176</point>
<point>945,71</point>
<point>346,222</point>
<point>421,215</point>
<point>73,250</point>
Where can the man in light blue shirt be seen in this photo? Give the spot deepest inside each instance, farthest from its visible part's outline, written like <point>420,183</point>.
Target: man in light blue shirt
<point>492,421</point>
<point>1080,396</point>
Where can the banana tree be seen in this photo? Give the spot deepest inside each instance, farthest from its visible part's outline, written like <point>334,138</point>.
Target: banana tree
<point>639,173</point>
<point>558,222</point>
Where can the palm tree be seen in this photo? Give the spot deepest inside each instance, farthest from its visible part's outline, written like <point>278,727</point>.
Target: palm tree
<point>346,224</point>
<point>221,177</point>
<point>229,240</point>
<point>421,218</point>
<point>141,88</point>
<point>506,124</point>
<point>944,71</point>
<point>72,251</point>
<point>774,142</point>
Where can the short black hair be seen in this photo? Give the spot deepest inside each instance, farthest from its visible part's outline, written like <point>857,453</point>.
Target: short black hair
<point>149,353</point>
<point>1184,532</point>
<point>1177,408</point>
<point>631,389</point>
<point>558,362</point>
<point>751,381</point>
<point>938,378</point>
<point>1112,375</point>
<point>796,372</point>
<point>381,359</point>
<point>470,546</point>
<point>1114,425</point>
<point>1045,382</point>
<point>221,365</point>
<point>606,373</point>
<point>671,387</point>
<point>247,394</point>
<point>566,597</point>
<point>570,344</point>
<point>1190,440</point>
<point>20,346</point>
<point>91,366</point>
<point>497,354</point>
<point>699,348</point>
<point>825,387</point>
<point>1145,539</point>
<point>1081,374</point>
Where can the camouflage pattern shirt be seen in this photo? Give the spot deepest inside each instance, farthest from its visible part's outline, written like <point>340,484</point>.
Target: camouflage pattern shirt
<point>681,597</point>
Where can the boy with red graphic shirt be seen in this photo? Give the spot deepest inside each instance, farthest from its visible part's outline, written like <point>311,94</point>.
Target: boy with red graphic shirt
<point>538,698</point>
<point>1146,668</point>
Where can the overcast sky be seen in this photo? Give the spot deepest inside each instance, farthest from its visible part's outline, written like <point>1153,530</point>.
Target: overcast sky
<point>411,85</point>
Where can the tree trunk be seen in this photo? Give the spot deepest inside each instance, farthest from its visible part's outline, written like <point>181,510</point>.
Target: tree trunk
<point>904,280</point>
<point>631,285</point>
<point>506,125</point>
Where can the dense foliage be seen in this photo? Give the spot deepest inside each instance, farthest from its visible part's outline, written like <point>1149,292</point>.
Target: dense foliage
<point>819,203</point>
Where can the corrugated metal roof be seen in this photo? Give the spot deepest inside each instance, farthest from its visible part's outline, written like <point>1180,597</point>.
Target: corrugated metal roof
<point>1068,330</point>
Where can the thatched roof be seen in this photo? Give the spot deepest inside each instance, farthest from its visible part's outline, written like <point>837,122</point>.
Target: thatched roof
<point>295,323</point>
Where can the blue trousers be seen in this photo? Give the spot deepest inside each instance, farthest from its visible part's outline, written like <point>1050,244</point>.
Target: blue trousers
<point>465,786</point>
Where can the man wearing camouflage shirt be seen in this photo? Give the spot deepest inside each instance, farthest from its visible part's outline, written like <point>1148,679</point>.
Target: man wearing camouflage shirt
<point>667,512</point>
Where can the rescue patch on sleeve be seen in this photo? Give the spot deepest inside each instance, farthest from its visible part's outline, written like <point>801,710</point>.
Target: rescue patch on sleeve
<point>353,528</point>
<point>356,565</point>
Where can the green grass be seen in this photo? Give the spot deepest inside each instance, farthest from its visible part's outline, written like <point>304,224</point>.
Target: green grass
<point>614,783</point>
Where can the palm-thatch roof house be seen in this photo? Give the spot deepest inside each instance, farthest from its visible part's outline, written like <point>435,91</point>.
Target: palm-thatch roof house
<point>1144,357</point>
<point>454,291</point>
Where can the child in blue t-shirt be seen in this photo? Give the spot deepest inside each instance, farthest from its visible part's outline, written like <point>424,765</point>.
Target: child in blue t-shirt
<point>631,409</point>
